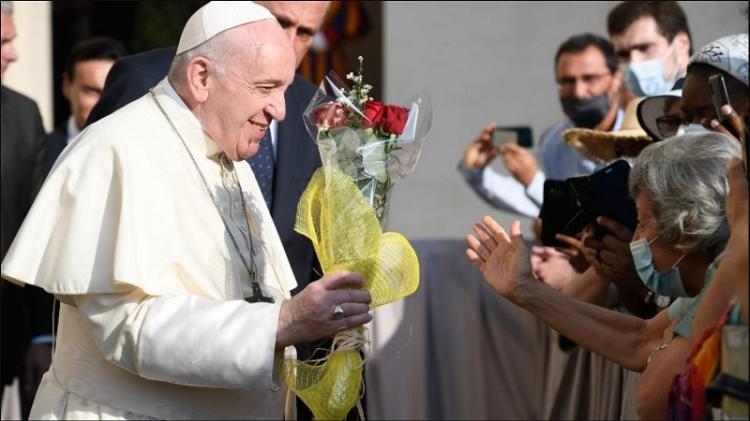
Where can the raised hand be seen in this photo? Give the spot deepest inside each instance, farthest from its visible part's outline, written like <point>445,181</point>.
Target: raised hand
<point>733,127</point>
<point>520,162</point>
<point>610,256</point>
<point>503,260</point>
<point>480,152</point>
<point>575,251</point>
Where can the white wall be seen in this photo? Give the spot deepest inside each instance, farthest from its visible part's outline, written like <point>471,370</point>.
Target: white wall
<point>32,73</point>
<point>485,61</point>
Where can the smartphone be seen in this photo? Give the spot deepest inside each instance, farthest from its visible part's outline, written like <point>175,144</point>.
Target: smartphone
<point>720,94</point>
<point>558,209</point>
<point>613,196</point>
<point>520,135</point>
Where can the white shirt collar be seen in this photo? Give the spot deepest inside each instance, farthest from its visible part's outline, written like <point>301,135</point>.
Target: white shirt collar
<point>72,130</point>
<point>618,120</point>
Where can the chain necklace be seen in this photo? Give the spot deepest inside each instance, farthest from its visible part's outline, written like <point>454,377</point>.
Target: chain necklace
<point>251,268</point>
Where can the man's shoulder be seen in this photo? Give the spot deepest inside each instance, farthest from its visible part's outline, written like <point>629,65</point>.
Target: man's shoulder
<point>17,100</point>
<point>130,126</point>
<point>557,128</point>
<point>553,134</point>
<point>154,62</point>
<point>59,136</point>
<point>301,89</point>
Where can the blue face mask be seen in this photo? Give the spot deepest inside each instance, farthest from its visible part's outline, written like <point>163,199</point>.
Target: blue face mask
<point>666,283</point>
<point>646,78</point>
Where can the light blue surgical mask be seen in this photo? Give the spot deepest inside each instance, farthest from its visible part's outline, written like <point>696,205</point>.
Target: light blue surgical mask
<point>646,78</point>
<point>691,128</point>
<point>666,283</point>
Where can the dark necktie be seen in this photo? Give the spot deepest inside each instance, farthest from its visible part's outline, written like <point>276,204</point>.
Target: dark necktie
<point>263,165</point>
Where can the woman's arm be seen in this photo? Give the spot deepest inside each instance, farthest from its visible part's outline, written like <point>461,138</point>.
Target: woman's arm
<point>504,262</point>
<point>656,380</point>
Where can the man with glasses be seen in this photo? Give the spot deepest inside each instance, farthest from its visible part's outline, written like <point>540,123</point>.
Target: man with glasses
<point>586,70</point>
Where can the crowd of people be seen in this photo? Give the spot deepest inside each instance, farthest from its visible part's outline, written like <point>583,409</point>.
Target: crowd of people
<point>684,262</point>
<point>159,321</point>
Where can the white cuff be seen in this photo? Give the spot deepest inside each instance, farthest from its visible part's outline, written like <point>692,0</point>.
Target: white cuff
<point>535,189</point>
<point>195,341</point>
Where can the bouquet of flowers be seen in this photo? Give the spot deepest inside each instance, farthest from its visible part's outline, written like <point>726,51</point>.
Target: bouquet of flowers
<point>373,143</point>
<point>365,146</point>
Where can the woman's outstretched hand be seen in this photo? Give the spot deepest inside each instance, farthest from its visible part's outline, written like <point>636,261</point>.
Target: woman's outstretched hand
<point>504,260</point>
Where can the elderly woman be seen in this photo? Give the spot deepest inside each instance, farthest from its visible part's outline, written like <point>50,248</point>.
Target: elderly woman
<point>680,187</point>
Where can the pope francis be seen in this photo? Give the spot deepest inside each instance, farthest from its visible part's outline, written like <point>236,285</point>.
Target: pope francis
<point>173,283</point>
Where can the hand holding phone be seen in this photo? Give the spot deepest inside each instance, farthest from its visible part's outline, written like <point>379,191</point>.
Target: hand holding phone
<point>720,95</point>
<point>480,151</point>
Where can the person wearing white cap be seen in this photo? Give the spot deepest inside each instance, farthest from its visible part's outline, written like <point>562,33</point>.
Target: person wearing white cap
<point>663,116</point>
<point>173,283</point>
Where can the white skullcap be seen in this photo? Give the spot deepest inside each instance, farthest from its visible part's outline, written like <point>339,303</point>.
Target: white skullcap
<point>728,54</point>
<point>216,17</point>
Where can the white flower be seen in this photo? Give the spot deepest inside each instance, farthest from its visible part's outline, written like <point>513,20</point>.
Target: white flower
<point>373,160</point>
<point>348,139</point>
<point>347,165</point>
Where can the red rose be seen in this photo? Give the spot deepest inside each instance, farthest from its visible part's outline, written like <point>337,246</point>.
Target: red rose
<point>331,114</point>
<point>373,113</point>
<point>394,119</point>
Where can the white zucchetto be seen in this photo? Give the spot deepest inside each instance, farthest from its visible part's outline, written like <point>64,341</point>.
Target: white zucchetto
<point>216,17</point>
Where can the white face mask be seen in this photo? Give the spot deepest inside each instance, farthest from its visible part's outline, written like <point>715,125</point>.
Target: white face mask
<point>691,128</point>
<point>647,77</point>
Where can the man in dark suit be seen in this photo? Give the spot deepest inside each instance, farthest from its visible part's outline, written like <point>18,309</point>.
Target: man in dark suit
<point>290,153</point>
<point>25,311</point>
<point>130,78</point>
<point>86,69</point>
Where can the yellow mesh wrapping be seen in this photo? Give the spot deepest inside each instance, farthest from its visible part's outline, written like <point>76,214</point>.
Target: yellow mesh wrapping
<point>346,235</point>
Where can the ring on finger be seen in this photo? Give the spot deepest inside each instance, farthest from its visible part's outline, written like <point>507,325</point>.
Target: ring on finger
<point>338,312</point>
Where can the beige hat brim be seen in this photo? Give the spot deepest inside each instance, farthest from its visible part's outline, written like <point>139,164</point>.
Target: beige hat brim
<point>607,146</point>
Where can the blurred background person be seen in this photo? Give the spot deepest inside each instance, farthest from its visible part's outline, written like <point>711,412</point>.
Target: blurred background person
<point>86,70</point>
<point>653,41</point>
<point>26,315</point>
<point>589,81</point>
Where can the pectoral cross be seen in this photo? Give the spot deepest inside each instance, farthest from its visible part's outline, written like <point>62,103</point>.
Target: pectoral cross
<point>258,296</point>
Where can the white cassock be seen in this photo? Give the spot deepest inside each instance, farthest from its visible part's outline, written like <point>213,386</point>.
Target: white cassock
<point>152,322</point>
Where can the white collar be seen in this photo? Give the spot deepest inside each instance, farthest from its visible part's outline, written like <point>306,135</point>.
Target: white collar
<point>72,130</point>
<point>618,120</point>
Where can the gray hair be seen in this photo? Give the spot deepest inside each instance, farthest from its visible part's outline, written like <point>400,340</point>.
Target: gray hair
<point>218,50</point>
<point>685,180</point>
<point>6,7</point>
